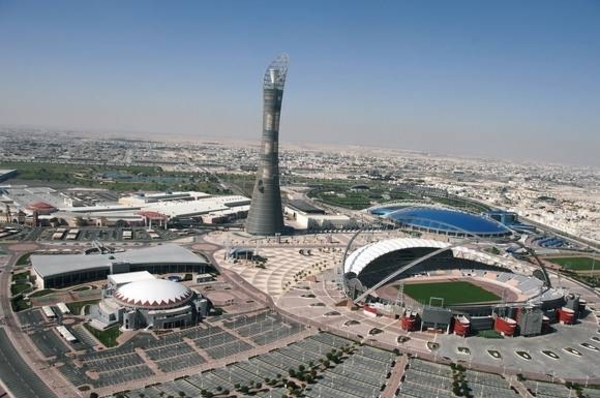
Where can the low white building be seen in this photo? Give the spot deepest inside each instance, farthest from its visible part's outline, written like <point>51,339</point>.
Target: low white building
<point>306,216</point>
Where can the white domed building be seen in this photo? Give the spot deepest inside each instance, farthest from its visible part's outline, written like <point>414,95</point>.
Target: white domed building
<point>139,300</point>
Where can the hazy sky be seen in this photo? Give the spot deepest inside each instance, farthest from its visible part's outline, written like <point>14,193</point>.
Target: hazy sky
<point>509,79</point>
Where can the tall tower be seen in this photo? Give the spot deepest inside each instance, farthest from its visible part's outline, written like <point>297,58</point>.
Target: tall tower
<point>266,215</point>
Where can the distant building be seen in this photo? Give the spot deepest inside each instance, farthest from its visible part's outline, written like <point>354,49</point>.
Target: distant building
<point>359,188</point>
<point>510,219</point>
<point>442,221</point>
<point>306,216</point>
<point>7,174</point>
<point>42,208</point>
<point>133,212</point>
<point>142,198</point>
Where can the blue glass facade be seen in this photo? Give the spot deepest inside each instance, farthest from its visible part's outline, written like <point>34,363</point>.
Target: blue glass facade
<point>445,221</point>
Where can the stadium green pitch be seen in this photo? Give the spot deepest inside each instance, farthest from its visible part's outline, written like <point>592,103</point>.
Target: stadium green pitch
<point>575,263</point>
<point>453,293</point>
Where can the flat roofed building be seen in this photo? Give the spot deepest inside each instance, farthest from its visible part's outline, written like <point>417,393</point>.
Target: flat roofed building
<point>58,271</point>
<point>119,280</point>
<point>306,216</point>
<point>204,278</point>
<point>6,174</point>
<point>318,221</point>
<point>137,213</point>
<point>199,207</point>
<point>141,198</point>
<point>304,207</point>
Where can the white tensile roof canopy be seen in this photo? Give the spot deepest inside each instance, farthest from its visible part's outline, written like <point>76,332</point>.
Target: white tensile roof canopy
<point>153,294</point>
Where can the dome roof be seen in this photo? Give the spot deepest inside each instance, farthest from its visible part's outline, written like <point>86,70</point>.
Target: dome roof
<point>153,294</point>
<point>443,220</point>
<point>41,206</point>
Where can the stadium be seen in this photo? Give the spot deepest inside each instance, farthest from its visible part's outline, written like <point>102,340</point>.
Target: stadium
<point>442,221</point>
<point>438,285</point>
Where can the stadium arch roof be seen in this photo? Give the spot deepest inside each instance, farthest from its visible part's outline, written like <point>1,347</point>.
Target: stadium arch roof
<point>362,257</point>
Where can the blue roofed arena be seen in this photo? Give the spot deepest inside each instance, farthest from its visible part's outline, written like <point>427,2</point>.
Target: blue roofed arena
<point>436,220</point>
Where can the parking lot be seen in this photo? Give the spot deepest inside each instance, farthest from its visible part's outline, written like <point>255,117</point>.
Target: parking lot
<point>23,381</point>
<point>49,343</point>
<point>104,234</point>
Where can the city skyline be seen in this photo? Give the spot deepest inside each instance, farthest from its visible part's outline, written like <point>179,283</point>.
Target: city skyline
<point>513,81</point>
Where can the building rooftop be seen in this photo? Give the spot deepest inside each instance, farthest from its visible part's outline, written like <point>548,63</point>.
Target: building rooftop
<point>154,293</point>
<point>448,221</point>
<point>198,207</point>
<point>56,264</point>
<point>120,279</point>
<point>305,207</point>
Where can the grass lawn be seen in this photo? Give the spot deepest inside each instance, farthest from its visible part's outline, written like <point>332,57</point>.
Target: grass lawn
<point>76,307</point>
<point>21,277</point>
<point>24,259</point>
<point>453,293</point>
<point>18,288</point>
<point>575,263</point>
<point>107,337</point>
<point>18,304</point>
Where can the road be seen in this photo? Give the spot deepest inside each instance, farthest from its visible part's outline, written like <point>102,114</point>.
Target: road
<point>15,367</point>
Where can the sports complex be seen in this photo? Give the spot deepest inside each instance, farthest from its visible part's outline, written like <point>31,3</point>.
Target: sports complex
<point>442,221</point>
<point>374,295</point>
<point>452,285</point>
<point>442,282</point>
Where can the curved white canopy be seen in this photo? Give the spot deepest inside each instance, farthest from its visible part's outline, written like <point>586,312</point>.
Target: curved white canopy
<point>363,256</point>
<point>153,293</point>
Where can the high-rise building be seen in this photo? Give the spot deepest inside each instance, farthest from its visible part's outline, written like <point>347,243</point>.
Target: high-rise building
<point>266,216</point>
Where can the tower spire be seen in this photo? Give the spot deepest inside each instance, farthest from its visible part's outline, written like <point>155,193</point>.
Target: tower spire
<point>266,216</point>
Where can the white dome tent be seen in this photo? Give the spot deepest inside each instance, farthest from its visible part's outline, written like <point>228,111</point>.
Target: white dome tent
<point>143,301</point>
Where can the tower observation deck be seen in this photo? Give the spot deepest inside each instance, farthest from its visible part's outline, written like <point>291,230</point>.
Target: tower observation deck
<point>266,215</point>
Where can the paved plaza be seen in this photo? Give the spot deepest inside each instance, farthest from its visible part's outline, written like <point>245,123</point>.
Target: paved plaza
<point>316,300</point>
